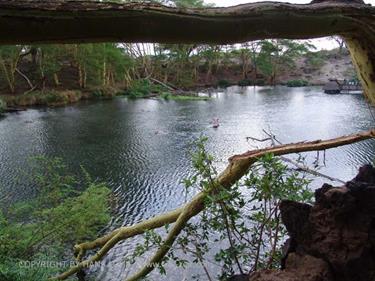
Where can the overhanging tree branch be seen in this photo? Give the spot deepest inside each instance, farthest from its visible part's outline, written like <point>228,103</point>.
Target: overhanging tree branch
<point>237,167</point>
<point>89,21</point>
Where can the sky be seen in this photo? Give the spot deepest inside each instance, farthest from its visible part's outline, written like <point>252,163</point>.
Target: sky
<point>321,43</point>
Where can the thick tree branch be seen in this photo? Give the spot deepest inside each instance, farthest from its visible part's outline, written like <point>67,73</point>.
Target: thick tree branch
<point>238,166</point>
<point>89,21</point>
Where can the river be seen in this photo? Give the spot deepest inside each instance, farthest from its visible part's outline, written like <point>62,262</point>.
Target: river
<point>140,147</point>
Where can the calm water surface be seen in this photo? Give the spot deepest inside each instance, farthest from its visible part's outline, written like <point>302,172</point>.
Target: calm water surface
<point>140,146</point>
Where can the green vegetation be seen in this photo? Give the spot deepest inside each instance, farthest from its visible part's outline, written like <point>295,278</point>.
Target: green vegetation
<point>279,55</point>
<point>142,88</point>
<point>245,82</point>
<point>297,83</point>
<point>223,83</point>
<point>59,74</point>
<point>47,97</point>
<point>241,225</point>
<point>169,96</point>
<point>62,211</point>
<point>104,92</point>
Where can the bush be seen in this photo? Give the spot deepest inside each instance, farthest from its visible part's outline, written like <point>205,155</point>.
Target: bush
<point>17,270</point>
<point>104,92</point>
<point>297,83</point>
<point>143,87</point>
<point>245,82</point>
<point>47,97</point>
<point>166,95</point>
<point>56,98</point>
<point>63,211</point>
<point>223,83</point>
<point>52,98</point>
<point>259,82</point>
<point>2,106</point>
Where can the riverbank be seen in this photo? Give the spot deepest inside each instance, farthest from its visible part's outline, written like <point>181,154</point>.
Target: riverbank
<point>56,98</point>
<point>70,85</point>
<point>53,98</point>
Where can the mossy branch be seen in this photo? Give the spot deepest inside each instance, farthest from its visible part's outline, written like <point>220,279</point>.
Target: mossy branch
<point>238,166</point>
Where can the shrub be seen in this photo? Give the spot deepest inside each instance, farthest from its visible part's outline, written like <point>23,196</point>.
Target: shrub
<point>223,83</point>
<point>142,87</point>
<point>25,100</point>
<point>245,82</point>
<point>166,95</point>
<point>64,210</point>
<point>47,97</point>
<point>297,83</point>
<point>52,98</point>
<point>259,82</point>
<point>104,92</point>
<point>57,98</point>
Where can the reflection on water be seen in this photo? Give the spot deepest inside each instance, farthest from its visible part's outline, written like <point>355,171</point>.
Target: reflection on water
<point>140,146</point>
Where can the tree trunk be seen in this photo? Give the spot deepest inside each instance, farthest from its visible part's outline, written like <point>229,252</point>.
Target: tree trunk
<point>80,76</point>
<point>56,79</point>
<point>7,75</point>
<point>362,51</point>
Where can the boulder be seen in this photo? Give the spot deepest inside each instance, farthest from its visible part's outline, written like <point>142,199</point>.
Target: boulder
<point>333,240</point>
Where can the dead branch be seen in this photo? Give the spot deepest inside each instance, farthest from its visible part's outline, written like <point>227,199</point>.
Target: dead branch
<point>309,170</point>
<point>299,166</point>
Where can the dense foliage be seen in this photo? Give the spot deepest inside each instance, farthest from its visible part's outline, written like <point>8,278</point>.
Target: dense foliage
<point>35,234</point>
<point>297,83</point>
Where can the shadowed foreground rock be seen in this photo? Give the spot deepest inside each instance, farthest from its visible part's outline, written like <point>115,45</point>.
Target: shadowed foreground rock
<point>334,240</point>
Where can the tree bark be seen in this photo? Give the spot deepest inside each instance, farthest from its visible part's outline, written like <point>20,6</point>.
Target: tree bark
<point>362,51</point>
<point>30,21</point>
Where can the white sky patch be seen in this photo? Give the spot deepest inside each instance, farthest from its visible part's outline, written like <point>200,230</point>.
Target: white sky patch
<point>321,43</point>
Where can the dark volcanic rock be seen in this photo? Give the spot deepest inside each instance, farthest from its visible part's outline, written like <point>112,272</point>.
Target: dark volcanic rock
<point>334,240</point>
<point>298,268</point>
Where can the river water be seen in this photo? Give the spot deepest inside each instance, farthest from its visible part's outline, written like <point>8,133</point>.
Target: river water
<point>140,147</point>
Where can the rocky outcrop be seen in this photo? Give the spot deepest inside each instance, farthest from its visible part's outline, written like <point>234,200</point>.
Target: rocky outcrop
<point>333,240</point>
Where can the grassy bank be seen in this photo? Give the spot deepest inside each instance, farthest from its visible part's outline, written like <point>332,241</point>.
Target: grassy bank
<point>170,96</point>
<point>54,98</point>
